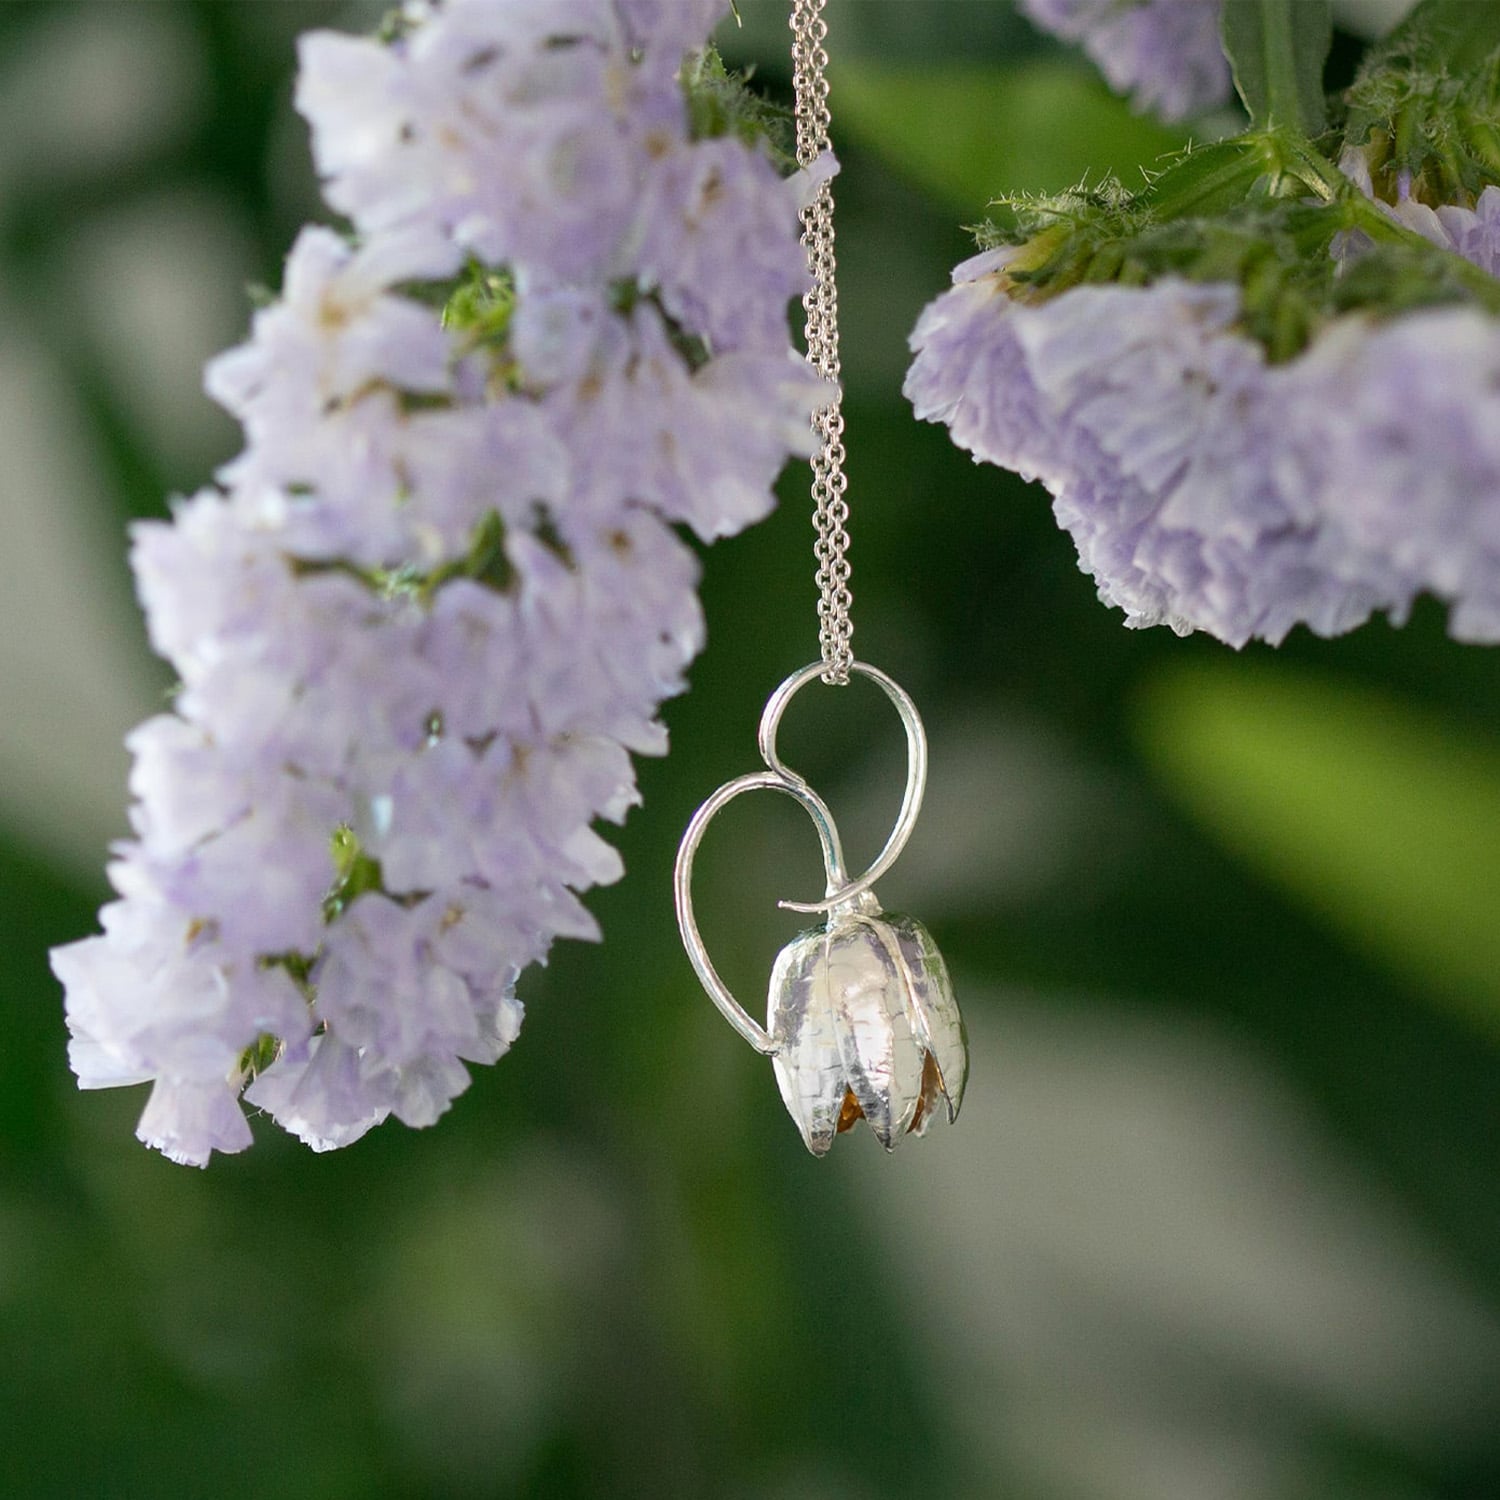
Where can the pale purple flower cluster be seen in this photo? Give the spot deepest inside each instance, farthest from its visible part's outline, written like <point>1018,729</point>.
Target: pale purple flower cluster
<point>1473,233</point>
<point>438,598</point>
<point>1165,54</point>
<point>1209,490</point>
<point>1407,458</point>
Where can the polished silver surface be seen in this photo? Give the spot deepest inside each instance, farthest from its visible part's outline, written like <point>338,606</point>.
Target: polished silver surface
<point>861,1018</point>
<point>867,1026</point>
<point>687,921</point>
<point>916,772</point>
<point>940,1024</point>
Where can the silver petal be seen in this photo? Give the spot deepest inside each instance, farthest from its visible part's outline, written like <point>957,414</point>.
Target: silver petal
<point>932,1093</point>
<point>939,1022</point>
<point>808,1063</point>
<point>868,993</point>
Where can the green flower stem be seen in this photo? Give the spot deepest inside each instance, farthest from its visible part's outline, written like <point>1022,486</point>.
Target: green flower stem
<point>1423,108</point>
<point>1276,49</point>
<point>1209,180</point>
<point>1303,164</point>
<point>1293,165</point>
<point>1481,137</point>
<point>1223,176</point>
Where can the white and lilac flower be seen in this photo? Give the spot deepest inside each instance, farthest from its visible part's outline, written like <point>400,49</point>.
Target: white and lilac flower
<point>1409,469</point>
<point>1150,422</point>
<point>1165,54</point>
<point>1209,489</point>
<point>520,130</point>
<point>438,600</point>
<point>698,202</point>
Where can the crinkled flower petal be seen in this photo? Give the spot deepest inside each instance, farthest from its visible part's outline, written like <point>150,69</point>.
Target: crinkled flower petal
<point>438,600</point>
<point>1408,462</point>
<point>1186,469</point>
<point>188,1121</point>
<point>1209,490</point>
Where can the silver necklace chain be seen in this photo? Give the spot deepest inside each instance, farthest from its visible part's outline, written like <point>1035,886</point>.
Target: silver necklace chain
<point>821,306</point>
<point>816,1004</point>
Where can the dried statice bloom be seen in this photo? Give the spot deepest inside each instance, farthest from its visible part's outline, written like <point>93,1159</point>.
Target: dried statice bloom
<point>1261,388</point>
<point>436,602</point>
<point>1208,489</point>
<point>1407,460</point>
<point>1164,53</point>
<point>1473,233</point>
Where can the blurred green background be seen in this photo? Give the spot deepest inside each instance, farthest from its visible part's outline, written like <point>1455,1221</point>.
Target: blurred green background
<point>1220,1220</point>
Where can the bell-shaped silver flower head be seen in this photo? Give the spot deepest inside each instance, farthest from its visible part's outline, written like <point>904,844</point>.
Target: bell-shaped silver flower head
<point>861,1020</point>
<point>866,1026</point>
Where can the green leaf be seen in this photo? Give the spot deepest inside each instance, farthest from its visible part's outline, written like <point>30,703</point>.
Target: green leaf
<point>1452,35</point>
<point>969,133</point>
<point>1208,180</point>
<point>1277,49</point>
<point>720,102</point>
<point>354,873</point>
<point>1382,819</point>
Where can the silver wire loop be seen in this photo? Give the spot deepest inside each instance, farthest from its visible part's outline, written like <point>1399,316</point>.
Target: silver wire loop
<point>916,773</point>
<point>840,891</point>
<point>687,922</point>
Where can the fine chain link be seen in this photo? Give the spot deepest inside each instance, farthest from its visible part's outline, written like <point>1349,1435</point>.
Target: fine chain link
<point>821,306</point>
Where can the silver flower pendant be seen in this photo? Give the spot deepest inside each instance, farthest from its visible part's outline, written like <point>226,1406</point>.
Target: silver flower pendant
<point>861,1021</point>
<point>866,1028</point>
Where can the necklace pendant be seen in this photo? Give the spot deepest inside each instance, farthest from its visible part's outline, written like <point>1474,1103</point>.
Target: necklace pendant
<point>861,1019</point>
<point>867,1028</point>
<point>861,1022</point>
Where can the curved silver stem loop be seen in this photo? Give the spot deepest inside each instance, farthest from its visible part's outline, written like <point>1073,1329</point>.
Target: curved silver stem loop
<point>776,779</point>
<point>916,773</point>
<point>779,777</point>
